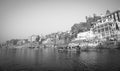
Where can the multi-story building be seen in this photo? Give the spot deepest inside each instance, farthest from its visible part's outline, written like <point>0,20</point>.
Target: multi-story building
<point>114,15</point>
<point>85,35</point>
<point>108,25</point>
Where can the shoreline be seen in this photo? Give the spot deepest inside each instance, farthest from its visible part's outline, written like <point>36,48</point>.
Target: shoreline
<point>80,46</point>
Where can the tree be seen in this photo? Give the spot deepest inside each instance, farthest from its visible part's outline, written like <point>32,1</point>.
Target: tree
<point>13,41</point>
<point>91,20</point>
<point>38,38</point>
<point>80,27</point>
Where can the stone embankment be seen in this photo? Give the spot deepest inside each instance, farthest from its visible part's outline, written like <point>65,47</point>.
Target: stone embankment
<point>88,45</point>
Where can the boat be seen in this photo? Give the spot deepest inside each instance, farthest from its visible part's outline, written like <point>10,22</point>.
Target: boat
<point>69,48</point>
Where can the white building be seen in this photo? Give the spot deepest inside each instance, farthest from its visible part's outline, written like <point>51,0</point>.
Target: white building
<point>48,40</point>
<point>85,35</point>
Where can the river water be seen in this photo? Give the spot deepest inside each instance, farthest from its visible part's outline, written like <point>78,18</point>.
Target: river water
<point>49,59</point>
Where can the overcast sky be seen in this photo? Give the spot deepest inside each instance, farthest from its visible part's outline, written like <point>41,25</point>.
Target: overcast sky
<point>22,18</point>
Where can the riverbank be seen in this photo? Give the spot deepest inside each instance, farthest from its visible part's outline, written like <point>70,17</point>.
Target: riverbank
<point>74,46</point>
<point>85,46</point>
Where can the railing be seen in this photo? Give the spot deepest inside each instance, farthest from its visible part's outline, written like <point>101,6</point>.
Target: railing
<point>101,23</point>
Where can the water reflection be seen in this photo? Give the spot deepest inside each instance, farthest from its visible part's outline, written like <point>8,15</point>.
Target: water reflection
<point>51,59</point>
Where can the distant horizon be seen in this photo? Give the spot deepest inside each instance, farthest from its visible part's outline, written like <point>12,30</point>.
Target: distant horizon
<point>22,18</point>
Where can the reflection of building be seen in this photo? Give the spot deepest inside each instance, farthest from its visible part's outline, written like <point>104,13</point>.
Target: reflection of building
<point>108,25</point>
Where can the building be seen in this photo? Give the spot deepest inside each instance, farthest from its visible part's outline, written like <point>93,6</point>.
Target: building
<point>34,38</point>
<point>114,15</point>
<point>88,35</point>
<point>108,25</point>
<point>48,41</point>
<point>21,41</point>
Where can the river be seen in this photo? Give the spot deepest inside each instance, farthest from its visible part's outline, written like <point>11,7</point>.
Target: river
<point>49,59</point>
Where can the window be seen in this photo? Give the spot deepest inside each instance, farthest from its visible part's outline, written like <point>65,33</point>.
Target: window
<point>102,29</point>
<point>109,18</point>
<point>106,29</point>
<point>119,14</point>
<point>103,34</point>
<point>104,20</point>
<point>110,24</point>
<point>105,24</point>
<point>112,16</point>
<point>109,28</point>
<point>101,25</point>
<point>116,17</point>
<point>98,31</point>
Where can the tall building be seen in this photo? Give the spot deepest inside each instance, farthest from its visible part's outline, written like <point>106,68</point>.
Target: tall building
<point>108,25</point>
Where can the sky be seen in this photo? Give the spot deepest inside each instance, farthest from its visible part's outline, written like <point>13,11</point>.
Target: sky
<point>22,18</point>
